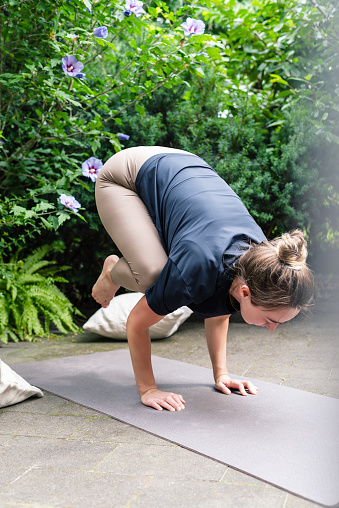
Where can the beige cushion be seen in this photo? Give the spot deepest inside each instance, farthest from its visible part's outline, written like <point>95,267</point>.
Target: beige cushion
<point>13,388</point>
<point>111,322</point>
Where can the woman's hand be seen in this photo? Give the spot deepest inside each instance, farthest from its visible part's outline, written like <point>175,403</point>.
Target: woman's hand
<point>224,383</point>
<point>162,400</point>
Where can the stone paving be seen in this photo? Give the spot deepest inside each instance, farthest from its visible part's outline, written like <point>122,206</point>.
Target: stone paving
<point>54,453</point>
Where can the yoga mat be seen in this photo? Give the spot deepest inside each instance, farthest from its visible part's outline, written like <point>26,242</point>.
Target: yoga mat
<point>284,436</point>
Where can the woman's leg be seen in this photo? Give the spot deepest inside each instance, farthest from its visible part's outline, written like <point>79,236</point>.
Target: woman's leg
<point>127,221</point>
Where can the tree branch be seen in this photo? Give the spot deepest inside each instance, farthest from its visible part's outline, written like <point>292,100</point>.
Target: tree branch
<point>320,9</point>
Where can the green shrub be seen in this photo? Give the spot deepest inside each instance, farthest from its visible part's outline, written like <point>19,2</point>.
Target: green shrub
<point>53,119</point>
<point>270,68</point>
<point>28,296</point>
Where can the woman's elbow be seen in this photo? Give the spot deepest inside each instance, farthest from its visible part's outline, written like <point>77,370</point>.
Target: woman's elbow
<point>135,326</point>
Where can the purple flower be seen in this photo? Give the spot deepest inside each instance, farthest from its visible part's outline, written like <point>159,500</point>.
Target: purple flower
<point>135,6</point>
<point>71,66</point>
<point>101,31</point>
<point>70,202</point>
<point>90,168</point>
<point>123,137</point>
<point>193,26</point>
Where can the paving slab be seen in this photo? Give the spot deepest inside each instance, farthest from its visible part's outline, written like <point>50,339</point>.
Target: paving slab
<point>234,477</point>
<point>40,405</point>
<point>72,409</point>
<point>10,473</point>
<point>39,451</point>
<point>201,494</point>
<point>78,489</point>
<point>4,438</point>
<point>171,461</point>
<point>113,431</point>
<point>34,424</point>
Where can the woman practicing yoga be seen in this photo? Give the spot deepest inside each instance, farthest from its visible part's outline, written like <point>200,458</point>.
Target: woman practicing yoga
<point>187,239</point>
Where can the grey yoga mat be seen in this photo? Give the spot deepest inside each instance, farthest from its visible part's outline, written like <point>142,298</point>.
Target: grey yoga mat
<point>284,436</point>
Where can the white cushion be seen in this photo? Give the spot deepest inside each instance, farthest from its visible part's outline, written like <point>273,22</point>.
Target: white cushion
<point>13,388</point>
<point>111,322</point>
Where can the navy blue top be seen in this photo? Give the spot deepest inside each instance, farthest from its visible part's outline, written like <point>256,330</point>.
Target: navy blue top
<point>204,228</point>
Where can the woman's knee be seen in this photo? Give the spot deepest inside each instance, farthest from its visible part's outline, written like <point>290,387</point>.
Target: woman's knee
<point>148,278</point>
<point>115,171</point>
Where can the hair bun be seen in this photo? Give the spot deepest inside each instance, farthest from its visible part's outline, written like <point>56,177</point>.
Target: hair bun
<point>292,249</point>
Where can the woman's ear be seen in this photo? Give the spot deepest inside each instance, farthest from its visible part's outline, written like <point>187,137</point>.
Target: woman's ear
<point>245,291</point>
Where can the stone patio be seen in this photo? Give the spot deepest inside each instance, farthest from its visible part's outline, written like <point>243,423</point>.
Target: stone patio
<point>54,453</point>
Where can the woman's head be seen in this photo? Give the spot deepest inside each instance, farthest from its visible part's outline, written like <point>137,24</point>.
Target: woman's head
<point>276,274</point>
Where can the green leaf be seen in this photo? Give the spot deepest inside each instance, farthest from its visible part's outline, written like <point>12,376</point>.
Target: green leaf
<point>66,97</point>
<point>55,61</point>
<point>133,44</point>
<point>62,217</point>
<point>153,12</point>
<point>277,122</point>
<point>278,79</point>
<point>47,224</point>
<point>18,210</point>
<point>213,52</point>
<point>88,4</point>
<point>53,222</point>
<point>109,44</point>
<point>200,72</point>
<point>29,214</point>
<point>139,109</point>
<point>95,144</point>
<point>43,206</point>
<point>100,41</point>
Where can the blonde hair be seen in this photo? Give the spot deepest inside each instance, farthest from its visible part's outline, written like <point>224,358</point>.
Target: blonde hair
<point>277,274</point>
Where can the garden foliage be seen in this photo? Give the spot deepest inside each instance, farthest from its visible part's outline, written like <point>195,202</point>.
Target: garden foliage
<point>255,92</point>
<point>64,84</point>
<point>27,292</point>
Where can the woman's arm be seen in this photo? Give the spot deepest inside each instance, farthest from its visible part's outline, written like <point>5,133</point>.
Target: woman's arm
<point>216,329</point>
<point>138,324</point>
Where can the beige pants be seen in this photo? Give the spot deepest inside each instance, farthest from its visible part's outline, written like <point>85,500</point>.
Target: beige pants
<point>127,221</point>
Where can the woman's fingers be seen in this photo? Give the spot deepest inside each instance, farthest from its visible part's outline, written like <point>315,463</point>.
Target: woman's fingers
<point>172,403</point>
<point>163,400</point>
<point>179,400</point>
<point>155,405</point>
<point>224,383</point>
<point>223,388</point>
<point>250,387</point>
<point>241,385</point>
<point>241,389</point>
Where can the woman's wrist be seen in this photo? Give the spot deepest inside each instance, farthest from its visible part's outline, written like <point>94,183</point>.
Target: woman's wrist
<point>149,390</point>
<point>219,374</point>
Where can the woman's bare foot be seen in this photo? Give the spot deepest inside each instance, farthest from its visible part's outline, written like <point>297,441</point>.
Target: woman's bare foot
<point>104,290</point>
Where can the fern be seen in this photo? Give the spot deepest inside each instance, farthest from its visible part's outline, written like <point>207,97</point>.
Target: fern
<point>34,258</point>
<point>29,299</point>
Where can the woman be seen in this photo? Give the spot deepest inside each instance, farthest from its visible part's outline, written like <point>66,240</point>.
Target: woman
<point>187,239</point>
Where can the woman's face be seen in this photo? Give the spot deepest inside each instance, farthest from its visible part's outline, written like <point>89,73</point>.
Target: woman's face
<point>259,316</point>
